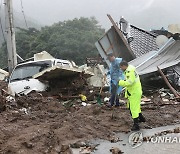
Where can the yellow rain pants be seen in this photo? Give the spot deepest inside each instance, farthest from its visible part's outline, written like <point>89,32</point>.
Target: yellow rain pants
<point>133,90</point>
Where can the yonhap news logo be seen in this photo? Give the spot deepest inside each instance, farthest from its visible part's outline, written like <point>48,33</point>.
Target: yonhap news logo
<point>163,139</point>
<point>136,139</point>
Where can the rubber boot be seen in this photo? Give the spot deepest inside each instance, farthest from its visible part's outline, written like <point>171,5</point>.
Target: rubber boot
<point>112,99</point>
<point>135,126</point>
<point>141,118</point>
<point>117,101</point>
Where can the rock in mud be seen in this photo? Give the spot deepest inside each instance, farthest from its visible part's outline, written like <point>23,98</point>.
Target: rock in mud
<point>65,149</point>
<point>28,145</point>
<point>116,150</point>
<point>177,130</point>
<point>85,150</point>
<point>114,139</point>
<point>2,107</point>
<point>78,144</point>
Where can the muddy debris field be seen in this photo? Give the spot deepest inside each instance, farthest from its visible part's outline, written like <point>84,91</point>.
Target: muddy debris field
<point>38,123</point>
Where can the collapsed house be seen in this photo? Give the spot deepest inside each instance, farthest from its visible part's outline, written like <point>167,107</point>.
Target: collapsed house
<point>126,41</point>
<point>166,58</point>
<point>146,50</point>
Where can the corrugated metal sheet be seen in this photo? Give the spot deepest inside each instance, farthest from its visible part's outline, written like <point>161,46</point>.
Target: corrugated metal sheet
<point>167,56</point>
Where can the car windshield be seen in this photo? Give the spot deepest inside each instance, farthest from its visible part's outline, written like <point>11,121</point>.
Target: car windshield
<point>63,64</point>
<point>28,70</point>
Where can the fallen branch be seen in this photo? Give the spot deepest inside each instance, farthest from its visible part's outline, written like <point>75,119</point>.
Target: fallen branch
<point>176,94</point>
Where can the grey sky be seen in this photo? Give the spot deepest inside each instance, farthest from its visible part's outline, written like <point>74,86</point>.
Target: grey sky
<point>143,13</point>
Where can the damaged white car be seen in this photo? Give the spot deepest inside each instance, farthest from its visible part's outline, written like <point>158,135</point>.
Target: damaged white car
<point>21,80</point>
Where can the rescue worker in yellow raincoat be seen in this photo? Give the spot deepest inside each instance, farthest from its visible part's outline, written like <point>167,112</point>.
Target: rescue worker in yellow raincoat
<point>133,93</point>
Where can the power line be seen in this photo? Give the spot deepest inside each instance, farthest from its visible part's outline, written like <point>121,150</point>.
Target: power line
<point>1,22</point>
<point>22,9</point>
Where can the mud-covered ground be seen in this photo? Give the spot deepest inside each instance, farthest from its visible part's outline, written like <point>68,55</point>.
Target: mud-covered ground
<point>35,124</point>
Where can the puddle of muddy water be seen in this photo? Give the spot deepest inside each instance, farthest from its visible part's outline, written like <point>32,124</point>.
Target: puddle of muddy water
<point>144,148</point>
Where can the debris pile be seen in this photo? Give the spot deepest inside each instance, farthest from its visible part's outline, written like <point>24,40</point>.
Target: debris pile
<point>160,97</point>
<point>39,123</point>
<point>147,51</point>
<point>73,107</point>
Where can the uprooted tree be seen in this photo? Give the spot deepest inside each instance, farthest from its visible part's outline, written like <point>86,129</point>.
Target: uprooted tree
<point>71,39</point>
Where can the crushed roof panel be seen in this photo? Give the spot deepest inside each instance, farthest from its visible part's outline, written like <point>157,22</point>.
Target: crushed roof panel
<point>165,58</point>
<point>143,41</point>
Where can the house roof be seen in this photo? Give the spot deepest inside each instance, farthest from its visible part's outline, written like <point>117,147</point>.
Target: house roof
<point>115,41</point>
<point>143,41</point>
<point>167,56</point>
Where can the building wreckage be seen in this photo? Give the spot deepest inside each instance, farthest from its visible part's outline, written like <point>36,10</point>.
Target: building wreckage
<point>145,50</point>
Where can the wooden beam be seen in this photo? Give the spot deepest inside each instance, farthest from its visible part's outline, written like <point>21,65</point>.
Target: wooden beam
<point>176,94</point>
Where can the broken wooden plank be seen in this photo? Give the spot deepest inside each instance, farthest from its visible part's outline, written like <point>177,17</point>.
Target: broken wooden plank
<point>176,94</point>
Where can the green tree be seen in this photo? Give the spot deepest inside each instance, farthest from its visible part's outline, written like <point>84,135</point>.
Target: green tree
<point>71,39</point>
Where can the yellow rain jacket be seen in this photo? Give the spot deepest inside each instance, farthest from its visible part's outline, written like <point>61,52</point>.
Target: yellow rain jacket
<point>133,90</point>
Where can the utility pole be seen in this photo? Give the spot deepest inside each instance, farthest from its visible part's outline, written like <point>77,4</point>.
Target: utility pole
<point>10,36</point>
